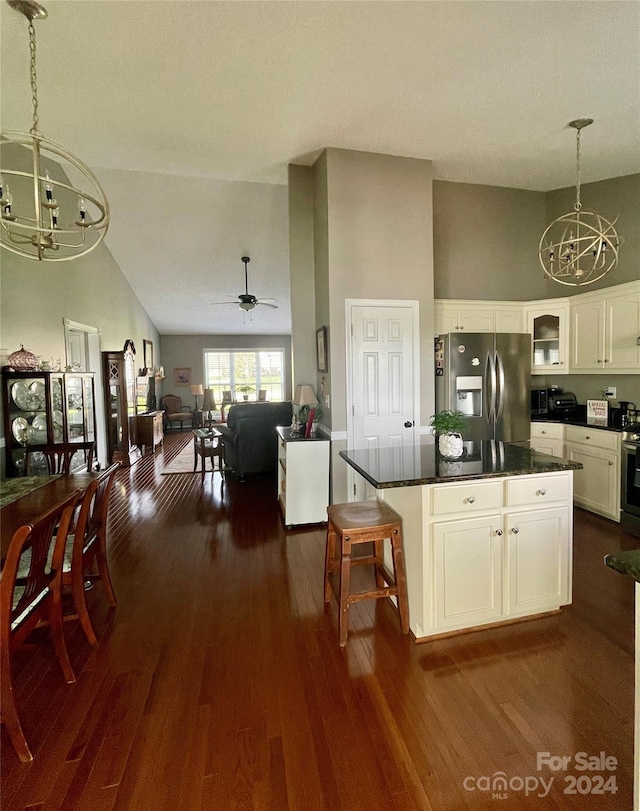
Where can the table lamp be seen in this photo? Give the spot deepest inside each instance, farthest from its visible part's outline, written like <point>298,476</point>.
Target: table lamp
<point>208,405</point>
<point>197,389</point>
<point>304,396</point>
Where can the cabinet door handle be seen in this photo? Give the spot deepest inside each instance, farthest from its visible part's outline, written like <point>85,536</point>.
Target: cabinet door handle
<point>541,492</point>
<point>610,464</point>
<point>599,360</point>
<point>498,532</point>
<point>470,500</point>
<point>515,530</point>
<point>606,360</point>
<point>587,437</point>
<point>543,432</point>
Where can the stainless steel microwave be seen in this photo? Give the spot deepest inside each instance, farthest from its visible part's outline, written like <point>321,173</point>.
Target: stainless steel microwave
<point>539,402</point>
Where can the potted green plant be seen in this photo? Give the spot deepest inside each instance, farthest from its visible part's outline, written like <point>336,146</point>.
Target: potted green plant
<point>448,427</point>
<point>245,390</point>
<point>305,410</point>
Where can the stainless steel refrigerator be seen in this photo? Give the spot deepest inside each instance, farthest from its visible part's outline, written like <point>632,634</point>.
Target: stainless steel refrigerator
<point>487,376</point>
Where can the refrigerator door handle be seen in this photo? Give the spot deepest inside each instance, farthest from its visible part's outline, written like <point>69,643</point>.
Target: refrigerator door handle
<point>490,388</point>
<point>500,389</point>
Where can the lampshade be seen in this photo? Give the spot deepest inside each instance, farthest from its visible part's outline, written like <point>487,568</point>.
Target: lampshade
<point>197,389</point>
<point>209,403</point>
<point>304,395</point>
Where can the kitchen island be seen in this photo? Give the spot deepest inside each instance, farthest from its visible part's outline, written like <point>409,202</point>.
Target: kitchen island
<point>629,563</point>
<point>488,538</point>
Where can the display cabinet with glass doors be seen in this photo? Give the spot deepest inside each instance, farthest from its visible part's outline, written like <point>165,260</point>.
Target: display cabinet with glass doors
<point>46,408</point>
<point>120,405</point>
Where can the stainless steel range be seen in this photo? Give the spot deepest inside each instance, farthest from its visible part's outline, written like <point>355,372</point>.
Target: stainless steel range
<point>630,516</point>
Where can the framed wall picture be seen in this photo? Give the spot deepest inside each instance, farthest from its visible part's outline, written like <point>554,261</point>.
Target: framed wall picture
<point>321,349</point>
<point>148,355</point>
<point>182,377</point>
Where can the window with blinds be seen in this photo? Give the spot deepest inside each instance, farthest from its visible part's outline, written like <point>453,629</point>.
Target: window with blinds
<point>245,372</point>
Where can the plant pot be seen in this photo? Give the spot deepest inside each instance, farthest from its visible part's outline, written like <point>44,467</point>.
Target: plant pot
<point>450,445</point>
<point>245,396</point>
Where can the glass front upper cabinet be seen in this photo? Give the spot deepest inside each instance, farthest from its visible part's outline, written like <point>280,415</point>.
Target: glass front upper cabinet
<point>549,329</point>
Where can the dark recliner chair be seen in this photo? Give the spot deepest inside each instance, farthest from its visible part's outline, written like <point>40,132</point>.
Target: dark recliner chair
<point>249,437</point>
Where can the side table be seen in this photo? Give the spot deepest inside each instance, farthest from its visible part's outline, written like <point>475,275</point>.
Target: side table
<point>207,445</point>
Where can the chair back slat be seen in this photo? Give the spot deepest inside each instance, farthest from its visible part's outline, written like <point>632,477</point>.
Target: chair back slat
<point>34,541</point>
<point>59,456</point>
<point>92,518</point>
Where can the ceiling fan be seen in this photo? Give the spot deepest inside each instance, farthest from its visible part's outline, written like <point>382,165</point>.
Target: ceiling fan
<point>246,301</point>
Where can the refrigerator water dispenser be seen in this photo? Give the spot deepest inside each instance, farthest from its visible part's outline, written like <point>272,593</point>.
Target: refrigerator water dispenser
<point>469,395</point>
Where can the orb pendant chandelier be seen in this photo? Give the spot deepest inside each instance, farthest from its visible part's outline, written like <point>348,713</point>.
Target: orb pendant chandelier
<point>580,247</point>
<point>52,207</point>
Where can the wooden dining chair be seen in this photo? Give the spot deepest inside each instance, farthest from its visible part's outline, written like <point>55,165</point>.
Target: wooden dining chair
<point>59,456</point>
<point>34,599</point>
<point>87,545</point>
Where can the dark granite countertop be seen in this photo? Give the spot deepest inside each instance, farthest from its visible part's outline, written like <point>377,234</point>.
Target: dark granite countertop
<point>423,464</point>
<point>625,563</point>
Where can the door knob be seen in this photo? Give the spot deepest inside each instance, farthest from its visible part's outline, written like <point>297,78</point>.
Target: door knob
<point>515,530</point>
<point>498,532</point>
<point>409,424</point>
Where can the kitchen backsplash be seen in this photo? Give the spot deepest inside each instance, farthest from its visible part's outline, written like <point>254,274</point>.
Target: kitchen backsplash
<point>591,387</point>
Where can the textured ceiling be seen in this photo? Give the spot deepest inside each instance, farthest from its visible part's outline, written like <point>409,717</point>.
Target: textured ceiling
<point>173,102</point>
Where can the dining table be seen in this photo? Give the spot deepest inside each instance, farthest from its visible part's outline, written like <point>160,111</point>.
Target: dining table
<point>23,499</point>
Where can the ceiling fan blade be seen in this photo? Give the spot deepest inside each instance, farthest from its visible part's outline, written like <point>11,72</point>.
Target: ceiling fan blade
<point>235,301</point>
<point>266,304</point>
<point>266,300</point>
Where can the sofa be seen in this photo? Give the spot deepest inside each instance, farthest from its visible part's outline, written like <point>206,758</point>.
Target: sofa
<point>249,437</point>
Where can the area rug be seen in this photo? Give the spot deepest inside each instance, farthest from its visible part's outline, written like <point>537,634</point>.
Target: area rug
<point>183,462</point>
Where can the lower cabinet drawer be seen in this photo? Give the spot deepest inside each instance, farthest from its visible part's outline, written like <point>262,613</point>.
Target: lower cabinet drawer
<point>592,436</point>
<point>461,498</point>
<point>547,430</point>
<point>538,490</point>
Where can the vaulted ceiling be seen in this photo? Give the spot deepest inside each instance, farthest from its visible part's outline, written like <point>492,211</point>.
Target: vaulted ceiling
<point>189,113</point>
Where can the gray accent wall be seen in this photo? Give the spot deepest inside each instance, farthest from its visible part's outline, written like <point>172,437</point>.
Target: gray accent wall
<point>485,242</point>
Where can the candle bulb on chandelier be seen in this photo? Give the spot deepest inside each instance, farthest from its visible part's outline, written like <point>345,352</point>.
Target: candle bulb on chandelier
<point>1,186</point>
<point>48,189</point>
<point>8,199</point>
<point>83,209</point>
<point>54,217</point>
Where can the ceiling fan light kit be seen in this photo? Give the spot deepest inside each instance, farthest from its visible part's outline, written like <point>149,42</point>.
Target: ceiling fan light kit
<point>246,301</point>
<point>580,247</point>
<point>42,217</point>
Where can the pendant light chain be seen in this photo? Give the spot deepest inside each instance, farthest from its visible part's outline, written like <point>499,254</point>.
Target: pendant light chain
<point>33,78</point>
<point>578,204</point>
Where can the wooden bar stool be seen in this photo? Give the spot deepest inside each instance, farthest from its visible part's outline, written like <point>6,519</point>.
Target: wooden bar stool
<point>365,522</point>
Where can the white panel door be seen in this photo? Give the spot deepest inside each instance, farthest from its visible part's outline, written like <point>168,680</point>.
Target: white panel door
<point>384,377</point>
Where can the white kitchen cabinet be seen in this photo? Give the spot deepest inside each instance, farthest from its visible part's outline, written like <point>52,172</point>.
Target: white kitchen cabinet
<point>486,551</point>
<point>508,319</point>
<point>468,571</point>
<point>548,325</point>
<point>455,316</point>
<point>477,316</point>
<point>548,437</point>
<point>303,478</point>
<point>538,557</point>
<point>597,485</point>
<point>605,327</point>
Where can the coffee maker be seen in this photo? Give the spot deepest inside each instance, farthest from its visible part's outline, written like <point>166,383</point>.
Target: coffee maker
<point>625,414</point>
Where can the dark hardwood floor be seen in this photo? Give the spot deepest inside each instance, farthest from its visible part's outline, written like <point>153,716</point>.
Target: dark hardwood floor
<point>219,684</point>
